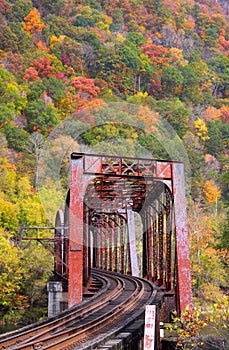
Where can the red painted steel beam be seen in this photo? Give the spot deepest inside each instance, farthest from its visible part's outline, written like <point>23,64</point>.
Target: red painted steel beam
<point>149,245</point>
<point>182,249</point>
<point>75,278</point>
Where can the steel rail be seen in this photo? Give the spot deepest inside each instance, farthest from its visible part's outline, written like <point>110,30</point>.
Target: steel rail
<point>41,329</point>
<point>91,334</point>
<point>88,320</point>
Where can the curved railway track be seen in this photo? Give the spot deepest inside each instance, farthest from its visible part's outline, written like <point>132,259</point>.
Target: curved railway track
<point>119,301</point>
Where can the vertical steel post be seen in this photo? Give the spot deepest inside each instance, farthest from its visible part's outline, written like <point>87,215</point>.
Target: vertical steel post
<point>59,244</point>
<point>100,249</point>
<point>155,250</point>
<point>181,232</point>
<point>122,245</point>
<point>144,246</point>
<point>168,241</point>
<point>161,243</point>
<point>105,249</point>
<point>111,236</point>
<point>75,281</point>
<point>85,247</point>
<point>66,237</point>
<point>89,245</point>
<point>132,243</point>
<point>116,231</point>
<point>149,244</point>
<point>95,260</point>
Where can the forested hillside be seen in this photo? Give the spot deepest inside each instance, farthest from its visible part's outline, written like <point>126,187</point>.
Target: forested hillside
<point>77,60</point>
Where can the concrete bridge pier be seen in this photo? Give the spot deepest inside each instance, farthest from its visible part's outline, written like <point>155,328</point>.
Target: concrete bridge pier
<point>55,292</point>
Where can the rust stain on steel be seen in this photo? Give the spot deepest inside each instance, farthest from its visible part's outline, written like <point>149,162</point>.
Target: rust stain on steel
<point>75,278</point>
<point>183,260</point>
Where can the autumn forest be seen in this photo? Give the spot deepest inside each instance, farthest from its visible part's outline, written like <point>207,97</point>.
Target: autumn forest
<point>110,77</point>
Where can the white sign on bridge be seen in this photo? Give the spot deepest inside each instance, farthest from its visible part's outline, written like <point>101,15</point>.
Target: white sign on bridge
<point>150,319</point>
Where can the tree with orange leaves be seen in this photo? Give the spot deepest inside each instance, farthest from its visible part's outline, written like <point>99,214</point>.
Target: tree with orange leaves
<point>211,114</point>
<point>211,191</point>
<point>32,22</point>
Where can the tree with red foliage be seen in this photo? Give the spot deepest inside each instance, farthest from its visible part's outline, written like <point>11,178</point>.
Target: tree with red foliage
<point>31,74</point>
<point>85,87</point>
<point>43,67</point>
<point>158,54</point>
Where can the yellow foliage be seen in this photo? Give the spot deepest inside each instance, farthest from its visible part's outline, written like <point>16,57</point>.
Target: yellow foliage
<point>32,22</point>
<point>103,26</point>
<point>7,177</point>
<point>177,56</point>
<point>10,268</point>
<point>188,327</point>
<point>201,129</point>
<point>54,40</point>
<point>120,38</point>
<point>56,63</point>
<point>219,316</point>
<point>210,291</point>
<point>107,19</point>
<point>24,188</point>
<point>211,191</point>
<point>66,106</point>
<point>142,28</point>
<point>84,10</point>
<point>142,94</point>
<point>9,214</point>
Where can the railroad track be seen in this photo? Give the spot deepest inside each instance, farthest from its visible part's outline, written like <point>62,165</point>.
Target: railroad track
<point>119,301</point>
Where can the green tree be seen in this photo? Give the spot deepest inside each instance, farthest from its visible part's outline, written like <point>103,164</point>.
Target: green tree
<point>172,81</point>
<point>20,9</point>
<point>195,152</point>
<point>36,89</point>
<point>6,114</point>
<point>224,241</point>
<point>12,97</point>
<point>8,39</point>
<point>38,264</point>
<point>16,137</point>
<point>55,88</point>
<point>175,113</point>
<point>214,145</point>
<point>195,76</point>
<point>41,117</point>
<point>220,68</point>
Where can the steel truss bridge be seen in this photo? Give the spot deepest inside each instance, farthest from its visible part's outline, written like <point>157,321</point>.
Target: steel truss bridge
<point>97,237</point>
